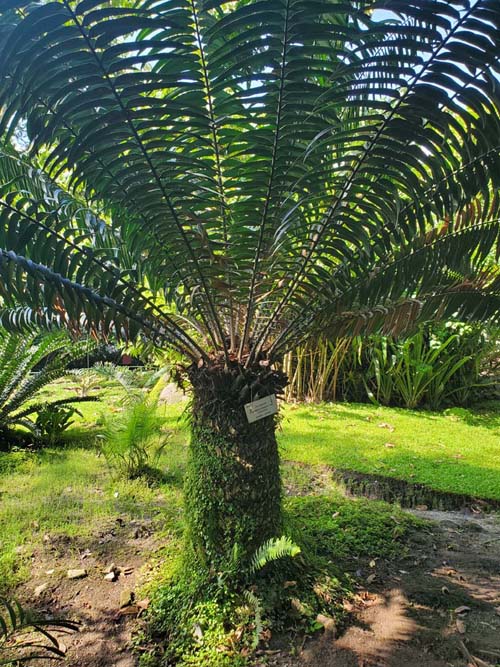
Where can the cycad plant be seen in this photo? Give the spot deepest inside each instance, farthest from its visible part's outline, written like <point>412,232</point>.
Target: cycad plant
<point>28,363</point>
<point>226,177</point>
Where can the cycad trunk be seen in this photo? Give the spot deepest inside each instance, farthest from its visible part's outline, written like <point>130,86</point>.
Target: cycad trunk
<point>233,484</point>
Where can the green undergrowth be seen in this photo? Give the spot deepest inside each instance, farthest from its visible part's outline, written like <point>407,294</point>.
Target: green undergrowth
<point>456,451</point>
<point>218,620</point>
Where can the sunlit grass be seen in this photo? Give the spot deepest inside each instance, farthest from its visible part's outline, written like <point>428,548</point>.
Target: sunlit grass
<point>457,452</point>
<point>70,490</point>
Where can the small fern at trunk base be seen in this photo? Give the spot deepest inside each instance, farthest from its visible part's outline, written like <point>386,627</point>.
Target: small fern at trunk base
<point>271,550</point>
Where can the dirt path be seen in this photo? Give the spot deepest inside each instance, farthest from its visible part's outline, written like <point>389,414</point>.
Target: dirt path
<point>410,615</point>
<point>98,604</point>
<point>405,618</point>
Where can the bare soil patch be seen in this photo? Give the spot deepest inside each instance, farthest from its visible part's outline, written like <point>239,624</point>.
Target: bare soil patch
<point>438,607</point>
<point>104,639</point>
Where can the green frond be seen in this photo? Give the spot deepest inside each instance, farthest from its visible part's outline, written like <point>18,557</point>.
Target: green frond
<point>232,173</point>
<point>26,636</point>
<point>272,550</point>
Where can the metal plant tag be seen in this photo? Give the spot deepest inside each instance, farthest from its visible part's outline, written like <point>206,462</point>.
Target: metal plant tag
<point>263,407</point>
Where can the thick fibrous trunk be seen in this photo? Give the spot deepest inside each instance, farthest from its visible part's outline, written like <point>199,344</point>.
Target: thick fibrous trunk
<point>233,485</point>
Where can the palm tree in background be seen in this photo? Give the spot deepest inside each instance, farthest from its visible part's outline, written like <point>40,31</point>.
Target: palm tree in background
<point>227,178</point>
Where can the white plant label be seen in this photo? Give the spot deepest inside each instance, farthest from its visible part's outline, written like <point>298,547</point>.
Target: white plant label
<point>263,407</point>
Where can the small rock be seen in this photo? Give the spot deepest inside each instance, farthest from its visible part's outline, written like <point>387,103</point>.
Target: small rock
<point>126,598</point>
<point>77,574</point>
<point>40,589</point>
<point>111,576</point>
<point>197,632</point>
<point>110,568</point>
<point>49,571</point>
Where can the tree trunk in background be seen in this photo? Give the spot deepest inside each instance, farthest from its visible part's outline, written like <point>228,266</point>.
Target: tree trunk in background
<point>233,483</point>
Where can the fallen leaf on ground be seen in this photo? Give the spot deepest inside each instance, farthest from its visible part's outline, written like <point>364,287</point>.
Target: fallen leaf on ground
<point>389,427</point>
<point>460,626</point>
<point>131,610</point>
<point>462,610</point>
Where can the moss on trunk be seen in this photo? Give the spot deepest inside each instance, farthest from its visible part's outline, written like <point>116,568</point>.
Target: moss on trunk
<point>233,484</point>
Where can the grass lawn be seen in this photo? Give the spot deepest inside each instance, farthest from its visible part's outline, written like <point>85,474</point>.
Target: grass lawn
<point>458,451</point>
<point>70,490</point>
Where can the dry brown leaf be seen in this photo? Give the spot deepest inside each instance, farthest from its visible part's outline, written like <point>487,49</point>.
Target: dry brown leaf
<point>462,610</point>
<point>389,427</point>
<point>131,610</point>
<point>460,626</point>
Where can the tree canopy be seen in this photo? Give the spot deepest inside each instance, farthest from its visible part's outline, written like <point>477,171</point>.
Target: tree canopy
<point>229,176</point>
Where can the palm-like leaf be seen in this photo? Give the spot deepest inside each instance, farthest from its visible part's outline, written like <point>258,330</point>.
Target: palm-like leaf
<point>258,168</point>
<point>26,637</point>
<point>28,363</point>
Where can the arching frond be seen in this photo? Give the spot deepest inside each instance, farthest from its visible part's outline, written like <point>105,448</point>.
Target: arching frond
<point>258,167</point>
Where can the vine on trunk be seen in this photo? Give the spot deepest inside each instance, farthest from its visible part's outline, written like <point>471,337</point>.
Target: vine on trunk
<point>233,485</point>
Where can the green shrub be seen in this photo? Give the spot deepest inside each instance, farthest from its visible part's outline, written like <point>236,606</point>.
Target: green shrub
<point>440,365</point>
<point>52,420</point>
<point>134,442</point>
<point>28,363</point>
